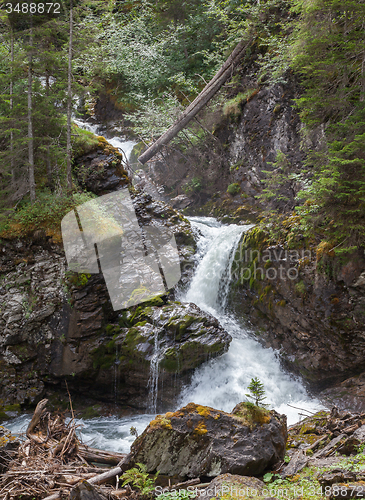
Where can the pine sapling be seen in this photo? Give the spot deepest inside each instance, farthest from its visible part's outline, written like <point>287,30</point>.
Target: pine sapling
<point>257,392</point>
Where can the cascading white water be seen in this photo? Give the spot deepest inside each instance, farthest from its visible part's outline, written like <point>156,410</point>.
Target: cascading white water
<point>221,382</point>
<point>153,380</point>
<point>120,143</point>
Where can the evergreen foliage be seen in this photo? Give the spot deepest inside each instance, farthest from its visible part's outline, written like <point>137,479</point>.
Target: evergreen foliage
<point>257,392</point>
<point>154,57</point>
<point>329,54</point>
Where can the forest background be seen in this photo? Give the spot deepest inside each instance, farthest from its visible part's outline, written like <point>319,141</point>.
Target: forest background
<point>153,58</point>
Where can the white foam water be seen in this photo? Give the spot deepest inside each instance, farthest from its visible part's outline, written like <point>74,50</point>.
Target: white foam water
<point>221,382</point>
<point>124,146</point>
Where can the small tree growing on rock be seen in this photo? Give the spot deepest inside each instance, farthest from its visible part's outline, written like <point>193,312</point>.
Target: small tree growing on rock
<point>257,392</point>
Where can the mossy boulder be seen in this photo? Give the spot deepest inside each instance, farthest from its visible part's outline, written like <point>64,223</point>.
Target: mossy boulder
<point>176,337</point>
<point>101,170</point>
<point>200,441</point>
<point>8,446</point>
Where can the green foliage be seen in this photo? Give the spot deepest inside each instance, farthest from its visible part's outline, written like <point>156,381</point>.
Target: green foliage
<point>257,392</point>
<point>270,477</point>
<point>139,478</point>
<point>233,107</point>
<point>83,141</point>
<point>133,431</point>
<point>234,188</point>
<point>46,213</point>
<point>328,44</point>
<point>300,288</point>
<point>276,178</point>
<point>77,279</point>
<point>193,186</point>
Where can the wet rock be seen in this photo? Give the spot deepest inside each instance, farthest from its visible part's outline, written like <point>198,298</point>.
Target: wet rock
<point>56,324</point>
<point>163,342</point>
<point>85,491</point>
<point>200,441</point>
<point>233,485</point>
<point>316,322</point>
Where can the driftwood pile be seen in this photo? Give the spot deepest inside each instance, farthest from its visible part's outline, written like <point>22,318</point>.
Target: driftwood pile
<point>52,460</point>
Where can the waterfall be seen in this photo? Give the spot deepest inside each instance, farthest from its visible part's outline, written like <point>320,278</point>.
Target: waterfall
<point>222,382</point>
<point>153,380</point>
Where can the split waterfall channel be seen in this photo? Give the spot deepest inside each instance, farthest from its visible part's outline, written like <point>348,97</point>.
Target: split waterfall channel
<point>221,382</point>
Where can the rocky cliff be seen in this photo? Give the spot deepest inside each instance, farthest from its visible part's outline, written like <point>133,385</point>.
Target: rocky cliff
<point>58,325</point>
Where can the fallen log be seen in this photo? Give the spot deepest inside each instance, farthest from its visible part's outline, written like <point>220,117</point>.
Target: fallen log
<point>224,73</point>
<point>99,479</point>
<point>103,478</point>
<point>100,456</point>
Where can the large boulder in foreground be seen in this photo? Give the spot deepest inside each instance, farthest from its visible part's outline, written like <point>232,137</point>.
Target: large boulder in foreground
<point>200,441</point>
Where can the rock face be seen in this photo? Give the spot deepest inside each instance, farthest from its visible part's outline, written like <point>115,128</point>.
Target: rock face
<point>144,357</point>
<point>56,325</point>
<point>101,170</point>
<point>200,441</point>
<point>310,308</point>
<point>244,147</point>
<point>348,394</point>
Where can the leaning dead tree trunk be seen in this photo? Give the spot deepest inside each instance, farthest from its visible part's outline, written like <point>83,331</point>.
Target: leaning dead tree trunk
<point>35,421</point>
<point>205,95</point>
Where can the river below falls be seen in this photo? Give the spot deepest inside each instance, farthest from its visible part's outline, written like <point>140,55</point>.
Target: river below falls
<point>221,382</point>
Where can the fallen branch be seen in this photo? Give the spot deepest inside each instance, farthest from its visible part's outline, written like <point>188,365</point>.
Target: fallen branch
<point>224,73</point>
<point>100,456</point>
<point>303,409</point>
<point>35,421</point>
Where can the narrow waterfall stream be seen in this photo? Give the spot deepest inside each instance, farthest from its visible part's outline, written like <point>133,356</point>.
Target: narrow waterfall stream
<point>221,382</point>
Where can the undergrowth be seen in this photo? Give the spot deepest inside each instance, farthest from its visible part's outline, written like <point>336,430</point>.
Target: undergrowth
<point>46,213</point>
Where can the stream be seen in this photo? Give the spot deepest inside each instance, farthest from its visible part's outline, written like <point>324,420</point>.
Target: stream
<point>221,382</point>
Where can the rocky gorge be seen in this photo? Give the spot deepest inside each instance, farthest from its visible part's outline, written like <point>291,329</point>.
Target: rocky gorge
<point>58,325</point>
<point>304,300</point>
<point>77,335</point>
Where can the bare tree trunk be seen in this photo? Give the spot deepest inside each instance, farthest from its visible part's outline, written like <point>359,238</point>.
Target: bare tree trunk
<point>69,104</point>
<point>362,93</point>
<point>12,159</point>
<point>48,156</point>
<point>30,122</point>
<point>203,98</point>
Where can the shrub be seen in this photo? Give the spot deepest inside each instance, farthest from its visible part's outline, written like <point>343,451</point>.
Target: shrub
<point>257,392</point>
<point>234,188</point>
<point>139,478</point>
<point>46,213</point>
